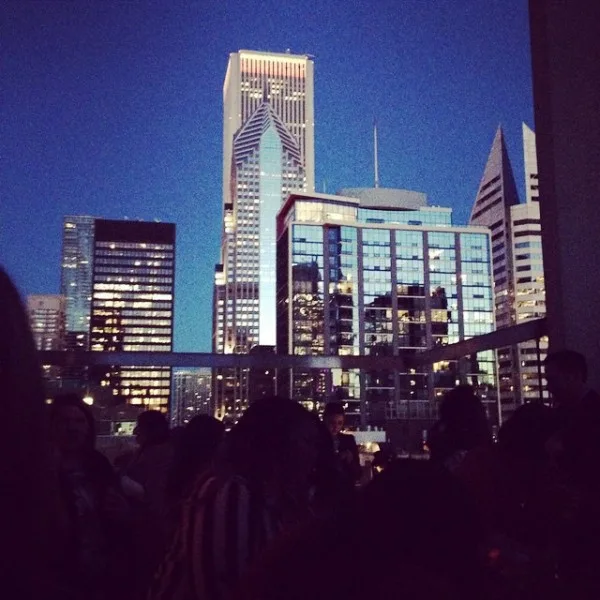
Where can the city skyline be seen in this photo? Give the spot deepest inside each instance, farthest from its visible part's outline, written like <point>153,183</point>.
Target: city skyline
<point>114,120</point>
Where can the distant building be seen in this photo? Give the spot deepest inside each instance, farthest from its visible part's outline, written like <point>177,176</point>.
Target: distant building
<point>118,279</point>
<point>262,383</point>
<point>192,389</point>
<point>529,285</point>
<point>132,306</point>
<point>76,278</point>
<point>517,263</point>
<point>378,272</point>
<point>497,193</point>
<point>268,152</point>
<point>47,316</point>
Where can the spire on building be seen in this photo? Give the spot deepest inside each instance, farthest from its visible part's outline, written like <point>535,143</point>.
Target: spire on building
<point>492,208</point>
<point>497,190</point>
<point>376,153</point>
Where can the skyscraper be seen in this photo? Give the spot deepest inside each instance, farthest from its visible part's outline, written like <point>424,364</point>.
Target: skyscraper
<point>118,278</point>
<point>268,152</point>
<point>132,306</point>
<point>287,82</point>
<point>76,278</point>
<point>529,285</point>
<point>496,195</point>
<point>518,265</point>
<point>378,272</point>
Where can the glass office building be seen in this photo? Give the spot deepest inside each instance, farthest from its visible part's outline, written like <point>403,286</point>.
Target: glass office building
<point>132,307</point>
<point>76,278</point>
<point>381,274</point>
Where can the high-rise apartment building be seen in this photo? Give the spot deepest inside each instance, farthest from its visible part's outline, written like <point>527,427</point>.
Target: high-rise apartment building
<point>118,278</point>
<point>47,316</point>
<point>377,272</point>
<point>517,265</point>
<point>496,195</point>
<point>268,153</point>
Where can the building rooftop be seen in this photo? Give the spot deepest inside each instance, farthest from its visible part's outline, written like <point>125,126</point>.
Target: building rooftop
<point>390,198</point>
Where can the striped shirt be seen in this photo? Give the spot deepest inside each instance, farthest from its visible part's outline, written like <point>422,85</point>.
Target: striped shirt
<point>224,525</point>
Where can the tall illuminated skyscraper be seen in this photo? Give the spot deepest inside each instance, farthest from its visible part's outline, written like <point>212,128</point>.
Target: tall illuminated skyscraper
<point>517,265</point>
<point>118,280</point>
<point>492,208</point>
<point>132,306</point>
<point>76,278</point>
<point>529,285</point>
<point>268,153</point>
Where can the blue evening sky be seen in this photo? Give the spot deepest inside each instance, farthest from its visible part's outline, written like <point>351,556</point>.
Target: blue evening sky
<point>114,109</point>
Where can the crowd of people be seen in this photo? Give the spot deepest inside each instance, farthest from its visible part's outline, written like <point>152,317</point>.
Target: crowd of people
<point>271,510</point>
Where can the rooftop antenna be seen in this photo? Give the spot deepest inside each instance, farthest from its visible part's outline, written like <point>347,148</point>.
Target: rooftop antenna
<point>375,152</point>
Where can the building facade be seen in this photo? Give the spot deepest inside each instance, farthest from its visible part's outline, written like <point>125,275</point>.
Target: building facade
<point>517,265</point>
<point>47,319</point>
<point>192,391</point>
<point>377,272</point>
<point>76,278</point>
<point>268,153</point>
<point>529,283</point>
<point>496,195</point>
<point>132,307</point>
<point>118,281</point>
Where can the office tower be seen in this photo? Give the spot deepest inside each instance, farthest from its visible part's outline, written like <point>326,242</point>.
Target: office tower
<point>496,194</point>
<point>268,152</point>
<point>191,395</point>
<point>529,286</point>
<point>47,321</point>
<point>286,81</point>
<point>378,272</point>
<point>132,307</point>
<point>76,278</point>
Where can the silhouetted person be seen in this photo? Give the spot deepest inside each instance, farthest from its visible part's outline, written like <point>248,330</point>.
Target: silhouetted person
<point>194,451</point>
<point>144,480</point>
<point>513,488</point>
<point>98,514</point>
<point>344,444</point>
<point>332,491</point>
<point>258,488</point>
<point>381,459</point>
<point>149,465</point>
<point>462,426</point>
<point>577,408</point>
<point>413,533</point>
<point>32,516</point>
<point>575,448</point>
